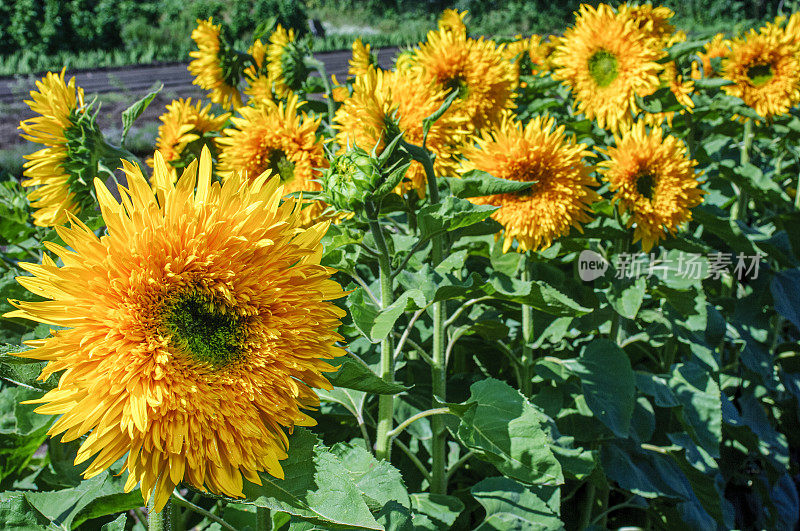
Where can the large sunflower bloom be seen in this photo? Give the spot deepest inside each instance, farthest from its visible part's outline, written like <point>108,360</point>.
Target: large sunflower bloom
<point>765,70</point>
<point>384,101</point>
<point>194,331</point>
<point>286,65</point>
<point>60,186</point>
<point>207,66</point>
<point>477,68</point>
<point>653,179</point>
<point>183,124</point>
<point>276,137</point>
<point>538,152</point>
<point>606,60</point>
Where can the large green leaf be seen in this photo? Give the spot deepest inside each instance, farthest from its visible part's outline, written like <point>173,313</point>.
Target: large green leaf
<point>699,394</point>
<point>354,375</point>
<point>16,512</point>
<point>435,511</point>
<point>626,299</point>
<point>22,431</point>
<point>512,506</point>
<point>133,112</point>
<point>23,371</point>
<point>608,384</point>
<point>477,183</point>
<point>378,481</point>
<point>451,214</point>
<point>316,487</point>
<point>786,295</point>
<point>502,427</point>
<point>376,323</point>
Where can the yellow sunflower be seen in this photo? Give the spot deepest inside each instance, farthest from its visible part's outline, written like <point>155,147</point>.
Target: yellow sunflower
<point>207,67</point>
<point>276,137</point>
<point>362,59</point>
<point>653,179</point>
<point>259,85</point>
<point>183,124</point>
<point>764,67</point>
<point>383,101</point>
<point>717,47</point>
<point>452,21</point>
<point>654,21</point>
<point>198,345</point>
<point>682,88</point>
<point>286,62</point>
<point>529,55</point>
<point>606,60</point>
<point>540,152</point>
<point>476,68</point>
<point>59,172</point>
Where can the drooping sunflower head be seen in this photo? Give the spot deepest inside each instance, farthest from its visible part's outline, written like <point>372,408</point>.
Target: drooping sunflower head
<point>217,67</point>
<point>452,21</point>
<point>276,138</point>
<point>185,129</point>
<point>199,344</point>
<point>60,174</point>
<point>383,104</point>
<point>539,152</point>
<point>606,60</point>
<point>717,48</point>
<point>286,61</point>
<point>653,179</point>
<point>764,67</point>
<point>477,69</point>
<point>362,59</point>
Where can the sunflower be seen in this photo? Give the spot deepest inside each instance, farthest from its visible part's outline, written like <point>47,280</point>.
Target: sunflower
<point>606,60</point>
<point>362,58</point>
<point>537,152</point>
<point>476,68</point>
<point>62,171</point>
<point>276,137</point>
<point>452,21</point>
<point>717,47</point>
<point>653,178</point>
<point>215,66</point>
<point>384,103</point>
<point>764,67</point>
<point>259,85</point>
<point>200,341</point>
<point>654,21</point>
<point>682,88</point>
<point>286,62</point>
<point>183,125</point>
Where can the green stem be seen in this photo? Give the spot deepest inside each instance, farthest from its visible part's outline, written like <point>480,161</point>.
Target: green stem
<point>526,363</point>
<point>320,67</point>
<point>797,193</point>
<point>263,519</point>
<point>161,520</point>
<point>177,500</point>
<point>383,444</point>
<point>438,356</point>
<point>739,210</point>
<point>586,514</point>
<point>421,415</point>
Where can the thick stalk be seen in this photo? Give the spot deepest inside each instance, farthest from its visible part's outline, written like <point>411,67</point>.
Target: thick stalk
<point>739,210</point>
<point>383,444</point>
<point>161,520</point>
<point>526,376</point>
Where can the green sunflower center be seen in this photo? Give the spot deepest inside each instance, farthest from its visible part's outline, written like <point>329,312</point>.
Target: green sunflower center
<point>459,84</point>
<point>603,67</point>
<point>280,164</point>
<point>646,185</point>
<point>759,74</point>
<point>204,332</point>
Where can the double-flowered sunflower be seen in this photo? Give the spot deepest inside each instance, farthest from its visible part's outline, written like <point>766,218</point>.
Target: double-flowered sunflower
<point>259,84</point>
<point>183,127</point>
<point>538,151</point>
<point>216,67</point>
<point>279,138</point>
<point>764,67</point>
<point>607,59</point>
<point>478,69</point>
<point>653,179</point>
<point>286,62</point>
<point>193,332</point>
<point>385,103</point>
<point>62,172</point>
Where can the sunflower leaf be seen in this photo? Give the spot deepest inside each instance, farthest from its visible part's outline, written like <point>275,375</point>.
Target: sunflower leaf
<point>133,112</point>
<point>477,183</point>
<point>511,505</point>
<point>354,375</point>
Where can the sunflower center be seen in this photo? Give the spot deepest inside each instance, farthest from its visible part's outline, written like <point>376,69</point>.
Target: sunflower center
<point>646,185</point>
<point>201,329</point>
<point>603,67</point>
<point>459,84</point>
<point>759,74</point>
<point>280,164</point>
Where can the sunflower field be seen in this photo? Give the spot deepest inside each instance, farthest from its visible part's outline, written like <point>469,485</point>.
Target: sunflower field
<point>549,283</point>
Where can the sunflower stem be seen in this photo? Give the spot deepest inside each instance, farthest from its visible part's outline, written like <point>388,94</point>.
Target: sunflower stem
<point>526,377</point>
<point>383,444</point>
<point>161,520</point>
<point>739,210</point>
<point>320,67</point>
